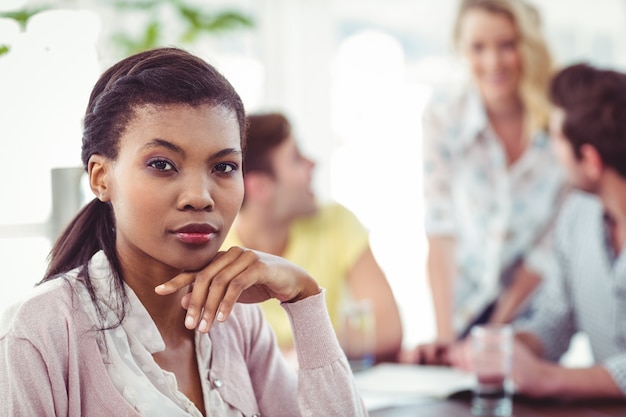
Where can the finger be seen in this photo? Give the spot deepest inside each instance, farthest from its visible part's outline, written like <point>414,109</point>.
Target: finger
<point>421,358</point>
<point>179,281</point>
<point>215,305</point>
<point>465,357</point>
<point>409,356</point>
<point>196,300</point>
<point>184,302</point>
<point>425,355</point>
<point>444,355</point>
<point>433,353</point>
<point>234,290</point>
<point>457,357</point>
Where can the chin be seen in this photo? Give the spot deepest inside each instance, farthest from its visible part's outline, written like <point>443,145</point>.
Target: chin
<point>194,262</point>
<point>499,93</point>
<point>498,90</point>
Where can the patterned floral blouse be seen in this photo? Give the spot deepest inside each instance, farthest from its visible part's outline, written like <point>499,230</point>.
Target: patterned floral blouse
<point>498,214</point>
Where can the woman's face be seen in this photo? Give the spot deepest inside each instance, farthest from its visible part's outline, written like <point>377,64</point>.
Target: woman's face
<point>489,42</point>
<point>175,187</point>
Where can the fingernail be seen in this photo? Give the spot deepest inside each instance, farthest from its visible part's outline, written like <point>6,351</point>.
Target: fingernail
<point>220,316</point>
<point>159,288</point>
<point>189,322</point>
<point>204,326</point>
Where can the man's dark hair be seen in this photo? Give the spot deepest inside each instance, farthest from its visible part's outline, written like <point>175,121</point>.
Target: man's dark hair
<point>594,101</point>
<point>266,131</point>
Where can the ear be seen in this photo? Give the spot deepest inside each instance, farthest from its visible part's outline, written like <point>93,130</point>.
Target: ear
<point>97,169</point>
<point>591,161</point>
<point>258,186</point>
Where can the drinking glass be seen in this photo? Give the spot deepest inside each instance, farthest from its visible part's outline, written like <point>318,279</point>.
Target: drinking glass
<point>358,333</point>
<point>492,349</point>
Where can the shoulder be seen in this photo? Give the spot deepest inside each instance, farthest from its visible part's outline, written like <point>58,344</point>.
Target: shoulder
<point>453,118</point>
<point>336,212</point>
<point>579,209</point>
<point>580,204</point>
<point>46,310</point>
<point>453,100</point>
<point>331,218</point>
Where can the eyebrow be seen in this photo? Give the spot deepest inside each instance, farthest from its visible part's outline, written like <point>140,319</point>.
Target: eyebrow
<point>162,143</point>
<point>226,152</point>
<point>158,143</point>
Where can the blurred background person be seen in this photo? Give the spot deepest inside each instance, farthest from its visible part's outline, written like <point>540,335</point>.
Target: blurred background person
<point>280,215</point>
<point>337,86</point>
<point>588,131</point>
<point>491,181</point>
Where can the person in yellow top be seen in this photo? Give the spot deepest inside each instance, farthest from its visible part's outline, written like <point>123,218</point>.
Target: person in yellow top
<point>280,215</point>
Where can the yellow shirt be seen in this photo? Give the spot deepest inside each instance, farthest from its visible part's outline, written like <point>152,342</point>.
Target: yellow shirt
<point>326,244</point>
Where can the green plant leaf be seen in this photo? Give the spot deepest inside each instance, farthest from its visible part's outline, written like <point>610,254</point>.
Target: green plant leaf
<point>22,16</point>
<point>195,22</point>
<point>137,5</point>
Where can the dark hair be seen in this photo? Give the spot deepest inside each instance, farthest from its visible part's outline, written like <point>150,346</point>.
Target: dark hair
<point>594,101</point>
<point>265,132</point>
<point>160,76</point>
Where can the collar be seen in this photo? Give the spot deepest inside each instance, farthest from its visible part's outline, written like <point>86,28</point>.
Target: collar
<point>473,120</point>
<point>608,223</point>
<point>137,320</point>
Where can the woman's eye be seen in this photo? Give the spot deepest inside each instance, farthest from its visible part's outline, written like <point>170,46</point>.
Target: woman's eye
<point>161,165</point>
<point>225,168</point>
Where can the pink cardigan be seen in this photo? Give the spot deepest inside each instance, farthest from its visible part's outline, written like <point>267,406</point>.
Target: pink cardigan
<point>50,363</point>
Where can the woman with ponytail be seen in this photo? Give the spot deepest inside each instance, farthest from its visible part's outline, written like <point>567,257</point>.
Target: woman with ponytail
<point>139,313</point>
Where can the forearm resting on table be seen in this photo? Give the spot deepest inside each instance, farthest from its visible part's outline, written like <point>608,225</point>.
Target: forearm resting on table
<point>575,383</point>
<point>516,295</point>
<point>441,269</point>
<point>553,380</point>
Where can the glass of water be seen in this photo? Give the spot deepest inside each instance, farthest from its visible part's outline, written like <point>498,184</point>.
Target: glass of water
<point>358,333</point>
<point>492,350</point>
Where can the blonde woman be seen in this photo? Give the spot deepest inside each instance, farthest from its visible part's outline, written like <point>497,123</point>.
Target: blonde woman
<point>491,181</point>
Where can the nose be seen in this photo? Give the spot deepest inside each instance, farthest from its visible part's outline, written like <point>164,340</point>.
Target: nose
<point>196,193</point>
<point>491,59</point>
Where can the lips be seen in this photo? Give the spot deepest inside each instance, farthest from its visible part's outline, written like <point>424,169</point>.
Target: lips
<point>196,234</point>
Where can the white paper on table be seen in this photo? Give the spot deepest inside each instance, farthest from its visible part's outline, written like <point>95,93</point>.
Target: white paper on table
<point>378,401</point>
<point>399,383</point>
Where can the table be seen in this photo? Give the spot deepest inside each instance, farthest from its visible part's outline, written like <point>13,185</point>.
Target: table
<point>458,405</point>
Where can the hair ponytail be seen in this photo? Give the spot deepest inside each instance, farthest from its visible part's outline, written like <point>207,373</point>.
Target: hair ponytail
<point>91,230</point>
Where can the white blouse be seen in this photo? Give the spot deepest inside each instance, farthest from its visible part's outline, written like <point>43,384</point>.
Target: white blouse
<point>127,353</point>
<point>497,213</point>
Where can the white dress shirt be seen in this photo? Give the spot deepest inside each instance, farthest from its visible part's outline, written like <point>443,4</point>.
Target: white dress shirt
<point>589,292</point>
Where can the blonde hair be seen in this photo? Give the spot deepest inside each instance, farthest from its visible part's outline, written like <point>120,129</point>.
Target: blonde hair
<point>537,64</point>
